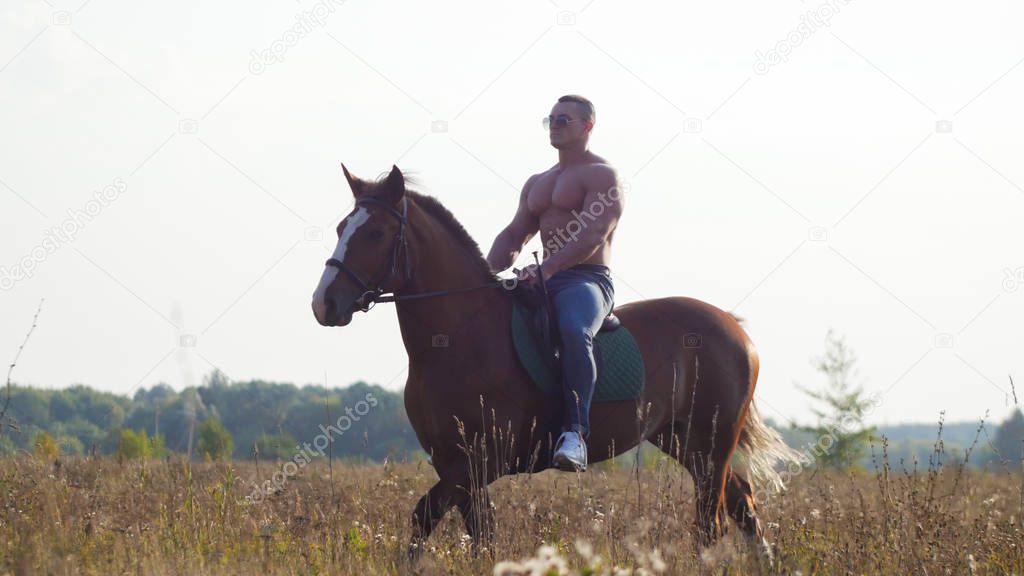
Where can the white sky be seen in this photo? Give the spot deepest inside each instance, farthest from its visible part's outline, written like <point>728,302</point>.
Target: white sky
<point>733,174</point>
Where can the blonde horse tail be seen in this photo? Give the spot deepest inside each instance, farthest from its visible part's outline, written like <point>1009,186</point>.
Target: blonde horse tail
<point>763,449</point>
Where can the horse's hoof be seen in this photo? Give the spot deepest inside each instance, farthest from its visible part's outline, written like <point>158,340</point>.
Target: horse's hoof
<point>767,552</point>
<point>415,552</point>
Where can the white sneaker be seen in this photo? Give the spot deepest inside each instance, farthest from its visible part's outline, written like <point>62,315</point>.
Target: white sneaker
<point>570,453</point>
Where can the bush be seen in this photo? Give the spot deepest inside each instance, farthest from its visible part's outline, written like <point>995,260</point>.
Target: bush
<point>46,446</point>
<point>215,441</point>
<point>139,446</point>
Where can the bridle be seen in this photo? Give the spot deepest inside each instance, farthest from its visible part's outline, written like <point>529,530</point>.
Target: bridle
<point>372,291</point>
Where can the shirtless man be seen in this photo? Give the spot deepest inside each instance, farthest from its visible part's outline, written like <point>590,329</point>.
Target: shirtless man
<point>575,205</point>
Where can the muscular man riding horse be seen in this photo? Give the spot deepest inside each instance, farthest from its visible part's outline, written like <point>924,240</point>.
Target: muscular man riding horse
<point>575,205</point>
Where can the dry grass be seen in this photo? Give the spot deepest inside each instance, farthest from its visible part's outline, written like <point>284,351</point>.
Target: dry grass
<point>104,517</point>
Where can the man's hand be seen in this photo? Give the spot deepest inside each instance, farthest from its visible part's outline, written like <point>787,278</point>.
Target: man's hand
<point>531,274</point>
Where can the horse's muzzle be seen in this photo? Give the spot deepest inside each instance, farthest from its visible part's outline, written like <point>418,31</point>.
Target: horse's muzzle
<point>329,313</point>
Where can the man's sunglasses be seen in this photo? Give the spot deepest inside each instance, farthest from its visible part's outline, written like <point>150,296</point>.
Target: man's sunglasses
<point>560,121</point>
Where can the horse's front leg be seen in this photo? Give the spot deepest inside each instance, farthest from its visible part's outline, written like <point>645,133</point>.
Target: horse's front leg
<point>429,511</point>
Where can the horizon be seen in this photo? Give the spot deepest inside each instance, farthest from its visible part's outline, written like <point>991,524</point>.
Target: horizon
<point>993,419</point>
<point>171,181</point>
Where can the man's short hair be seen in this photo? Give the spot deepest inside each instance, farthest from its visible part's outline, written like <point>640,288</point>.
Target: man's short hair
<point>586,106</point>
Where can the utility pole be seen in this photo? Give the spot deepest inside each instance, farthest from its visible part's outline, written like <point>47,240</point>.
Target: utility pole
<point>190,411</point>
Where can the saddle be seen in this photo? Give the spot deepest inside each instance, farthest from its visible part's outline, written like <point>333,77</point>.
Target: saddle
<point>535,335</point>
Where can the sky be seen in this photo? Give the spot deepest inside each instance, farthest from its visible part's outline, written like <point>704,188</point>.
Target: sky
<point>170,179</point>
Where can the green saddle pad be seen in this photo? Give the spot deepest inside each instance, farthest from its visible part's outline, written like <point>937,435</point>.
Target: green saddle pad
<point>620,368</point>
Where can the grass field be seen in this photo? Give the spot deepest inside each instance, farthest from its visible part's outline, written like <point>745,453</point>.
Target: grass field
<point>102,516</point>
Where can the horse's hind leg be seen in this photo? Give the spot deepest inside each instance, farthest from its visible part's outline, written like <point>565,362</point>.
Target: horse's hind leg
<point>739,502</point>
<point>709,475</point>
<point>709,467</point>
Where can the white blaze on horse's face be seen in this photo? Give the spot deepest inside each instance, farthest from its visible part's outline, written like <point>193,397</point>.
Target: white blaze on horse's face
<point>352,223</point>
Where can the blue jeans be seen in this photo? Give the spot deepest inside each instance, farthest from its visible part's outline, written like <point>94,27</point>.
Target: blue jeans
<point>581,297</point>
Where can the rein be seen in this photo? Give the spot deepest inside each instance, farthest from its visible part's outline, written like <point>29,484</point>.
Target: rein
<point>382,297</point>
<point>399,249</point>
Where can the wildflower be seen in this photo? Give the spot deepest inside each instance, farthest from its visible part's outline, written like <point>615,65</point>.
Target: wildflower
<point>509,568</point>
<point>585,549</point>
<point>657,564</point>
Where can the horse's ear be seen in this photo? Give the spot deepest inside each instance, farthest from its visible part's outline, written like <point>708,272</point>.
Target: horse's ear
<point>394,185</point>
<point>354,183</point>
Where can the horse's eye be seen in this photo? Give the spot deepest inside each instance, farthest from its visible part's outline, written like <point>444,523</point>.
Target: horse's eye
<point>376,235</point>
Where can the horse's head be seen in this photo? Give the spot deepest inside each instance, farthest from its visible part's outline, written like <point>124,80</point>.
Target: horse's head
<point>370,257</point>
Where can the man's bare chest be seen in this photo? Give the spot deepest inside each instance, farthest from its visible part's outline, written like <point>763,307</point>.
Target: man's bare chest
<point>555,192</point>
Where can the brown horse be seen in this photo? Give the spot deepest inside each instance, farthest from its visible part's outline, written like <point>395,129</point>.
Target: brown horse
<point>472,404</point>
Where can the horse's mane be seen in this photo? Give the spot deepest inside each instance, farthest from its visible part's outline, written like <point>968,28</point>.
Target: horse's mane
<point>444,217</point>
<point>433,207</point>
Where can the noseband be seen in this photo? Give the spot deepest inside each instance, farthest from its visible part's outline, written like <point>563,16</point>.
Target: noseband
<point>372,290</point>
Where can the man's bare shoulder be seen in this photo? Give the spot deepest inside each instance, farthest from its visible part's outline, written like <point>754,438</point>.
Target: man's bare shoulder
<point>600,172</point>
<point>534,177</point>
<point>554,168</point>
<point>599,168</point>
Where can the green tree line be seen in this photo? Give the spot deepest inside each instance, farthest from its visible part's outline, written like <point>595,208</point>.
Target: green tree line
<point>224,419</point>
<point>217,419</point>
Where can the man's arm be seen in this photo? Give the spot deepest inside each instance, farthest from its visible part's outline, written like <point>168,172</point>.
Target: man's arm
<point>511,240</point>
<point>593,224</point>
